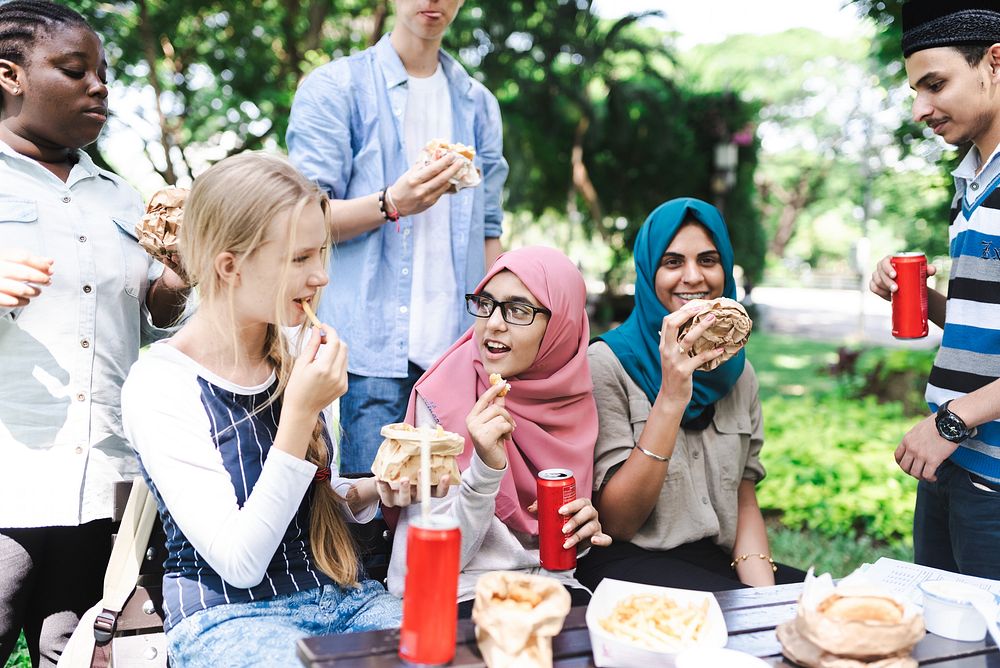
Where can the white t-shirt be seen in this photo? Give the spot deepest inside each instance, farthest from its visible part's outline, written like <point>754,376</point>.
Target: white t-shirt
<point>433,295</point>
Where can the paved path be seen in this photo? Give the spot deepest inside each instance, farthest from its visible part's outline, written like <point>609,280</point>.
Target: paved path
<point>832,315</point>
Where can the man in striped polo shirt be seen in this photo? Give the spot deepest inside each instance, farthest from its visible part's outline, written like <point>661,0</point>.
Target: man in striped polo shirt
<point>952,54</point>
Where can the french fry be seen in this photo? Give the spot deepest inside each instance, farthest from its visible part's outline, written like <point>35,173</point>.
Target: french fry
<point>656,622</point>
<point>311,315</point>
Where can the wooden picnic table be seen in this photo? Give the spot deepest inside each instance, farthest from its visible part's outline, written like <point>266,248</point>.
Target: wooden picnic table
<point>751,617</point>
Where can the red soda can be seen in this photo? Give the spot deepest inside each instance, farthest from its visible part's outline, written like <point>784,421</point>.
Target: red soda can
<point>556,488</point>
<point>909,301</point>
<point>430,602</point>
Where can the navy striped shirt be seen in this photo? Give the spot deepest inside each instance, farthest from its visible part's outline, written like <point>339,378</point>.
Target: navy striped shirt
<point>204,447</point>
<point>969,357</point>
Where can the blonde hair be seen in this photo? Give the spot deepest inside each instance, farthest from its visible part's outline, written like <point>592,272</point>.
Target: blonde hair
<point>231,207</point>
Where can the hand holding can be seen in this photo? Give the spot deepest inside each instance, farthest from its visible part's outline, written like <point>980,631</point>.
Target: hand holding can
<point>556,488</point>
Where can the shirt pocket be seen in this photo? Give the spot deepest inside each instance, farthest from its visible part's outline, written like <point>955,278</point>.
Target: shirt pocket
<point>19,228</point>
<point>731,447</point>
<point>134,258</point>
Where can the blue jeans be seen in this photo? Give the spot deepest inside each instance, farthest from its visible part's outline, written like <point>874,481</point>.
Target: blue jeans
<point>265,633</point>
<point>370,404</point>
<point>956,526</point>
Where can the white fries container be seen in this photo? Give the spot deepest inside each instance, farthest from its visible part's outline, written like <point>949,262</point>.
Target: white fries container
<point>611,651</point>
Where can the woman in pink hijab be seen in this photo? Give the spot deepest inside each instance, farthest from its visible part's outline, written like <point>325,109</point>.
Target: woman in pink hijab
<point>531,328</point>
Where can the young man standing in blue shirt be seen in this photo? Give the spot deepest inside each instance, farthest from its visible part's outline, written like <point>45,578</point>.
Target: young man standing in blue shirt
<point>952,53</point>
<point>397,286</point>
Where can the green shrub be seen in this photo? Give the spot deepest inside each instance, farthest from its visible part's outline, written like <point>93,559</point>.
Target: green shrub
<point>889,374</point>
<point>830,466</point>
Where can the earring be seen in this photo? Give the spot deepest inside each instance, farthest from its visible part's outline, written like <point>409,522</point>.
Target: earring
<point>17,90</point>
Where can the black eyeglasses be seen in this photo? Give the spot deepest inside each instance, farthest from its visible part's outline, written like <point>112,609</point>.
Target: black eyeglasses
<point>515,313</point>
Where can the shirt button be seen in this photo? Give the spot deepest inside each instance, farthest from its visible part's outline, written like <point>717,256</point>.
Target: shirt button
<point>87,289</point>
<point>67,199</point>
<point>82,239</point>
<point>704,500</point>
<point>406,272</point>
<point>406,232</point>
<point>81,397</point>
<point>696,454</point>
<point>78,450</point>
<point>403,309</point>
<point>975,186</point>
<point>85,343</point>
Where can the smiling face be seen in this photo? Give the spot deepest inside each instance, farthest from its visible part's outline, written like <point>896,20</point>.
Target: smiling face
<point>956,100</point>
<point>276,274</point>
<point>59,98</point>
<point>507,349</point>
<point>691,268</point>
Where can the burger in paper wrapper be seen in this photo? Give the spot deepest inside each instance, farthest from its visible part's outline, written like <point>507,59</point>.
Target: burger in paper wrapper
<point>852,625</point>
<point>399,455</point>
<point>467,176</point>
<point>731,329</point>
<point>516,616</point>
<point>159,227</point>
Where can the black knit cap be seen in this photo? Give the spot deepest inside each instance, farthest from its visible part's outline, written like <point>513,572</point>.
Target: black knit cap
<point>932,23</point>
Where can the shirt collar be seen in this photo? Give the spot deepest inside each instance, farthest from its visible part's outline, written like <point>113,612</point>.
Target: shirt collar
<point>969,168</point>
<point>395,73</point>
<point>84,162</point>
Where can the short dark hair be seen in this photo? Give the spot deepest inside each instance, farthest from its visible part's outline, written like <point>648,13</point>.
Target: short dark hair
<point>973,53</point>
<point>22,22</point>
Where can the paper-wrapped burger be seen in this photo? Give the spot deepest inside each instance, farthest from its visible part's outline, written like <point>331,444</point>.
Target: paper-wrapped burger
<point>399,455</point>
<point>467,176</point>
<point>160,226</point>
<point>731,329</point>
<point>855,624</point>
<point>516,617</point>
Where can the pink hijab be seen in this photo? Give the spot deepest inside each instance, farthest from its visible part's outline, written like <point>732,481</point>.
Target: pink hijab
<point>552,403</point>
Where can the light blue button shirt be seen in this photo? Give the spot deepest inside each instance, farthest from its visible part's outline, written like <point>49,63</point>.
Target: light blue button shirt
<point>64,356</point>
<point>346,133</point>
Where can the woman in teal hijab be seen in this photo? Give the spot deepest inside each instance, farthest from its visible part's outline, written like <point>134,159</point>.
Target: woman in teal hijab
<point>677,457</point>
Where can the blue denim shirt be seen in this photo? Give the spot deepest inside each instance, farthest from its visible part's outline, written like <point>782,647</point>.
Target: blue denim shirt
<point>346,133</point>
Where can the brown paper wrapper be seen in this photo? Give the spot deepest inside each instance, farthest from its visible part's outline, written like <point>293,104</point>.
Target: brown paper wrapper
<point>516,616</point>
<point>801,651</point>
<point>855,623</point>
<point>731,330</point>
<point>159,227</point>
<point>399,454</point>
<point>467,176</point>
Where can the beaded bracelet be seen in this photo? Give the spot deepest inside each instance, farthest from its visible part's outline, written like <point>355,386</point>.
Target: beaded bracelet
<point>744,557</point>
<point>653,455</point>
<point>388,213</point>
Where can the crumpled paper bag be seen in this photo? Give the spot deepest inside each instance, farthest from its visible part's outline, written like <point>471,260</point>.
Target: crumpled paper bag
<point>399,454</point>
<point>804,653</point>
<point>731,329</point>
<point>516,617</point>
<point>159,227</point>
<point>467,176</point>
<point>877,630</point>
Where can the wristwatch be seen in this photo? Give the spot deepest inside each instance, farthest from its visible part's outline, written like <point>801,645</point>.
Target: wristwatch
<point>951,427</point>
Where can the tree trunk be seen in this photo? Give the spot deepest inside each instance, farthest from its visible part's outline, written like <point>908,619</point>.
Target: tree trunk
<point>793,204</point>
<point>149,51</point>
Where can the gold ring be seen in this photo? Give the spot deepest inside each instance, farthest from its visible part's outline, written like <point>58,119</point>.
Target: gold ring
<point>681,350</point>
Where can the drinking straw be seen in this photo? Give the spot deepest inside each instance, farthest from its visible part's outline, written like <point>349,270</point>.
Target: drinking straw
<point>425,476</point>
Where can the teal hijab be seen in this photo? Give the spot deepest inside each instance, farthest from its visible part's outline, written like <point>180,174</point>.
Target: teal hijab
<point>636,342</point>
